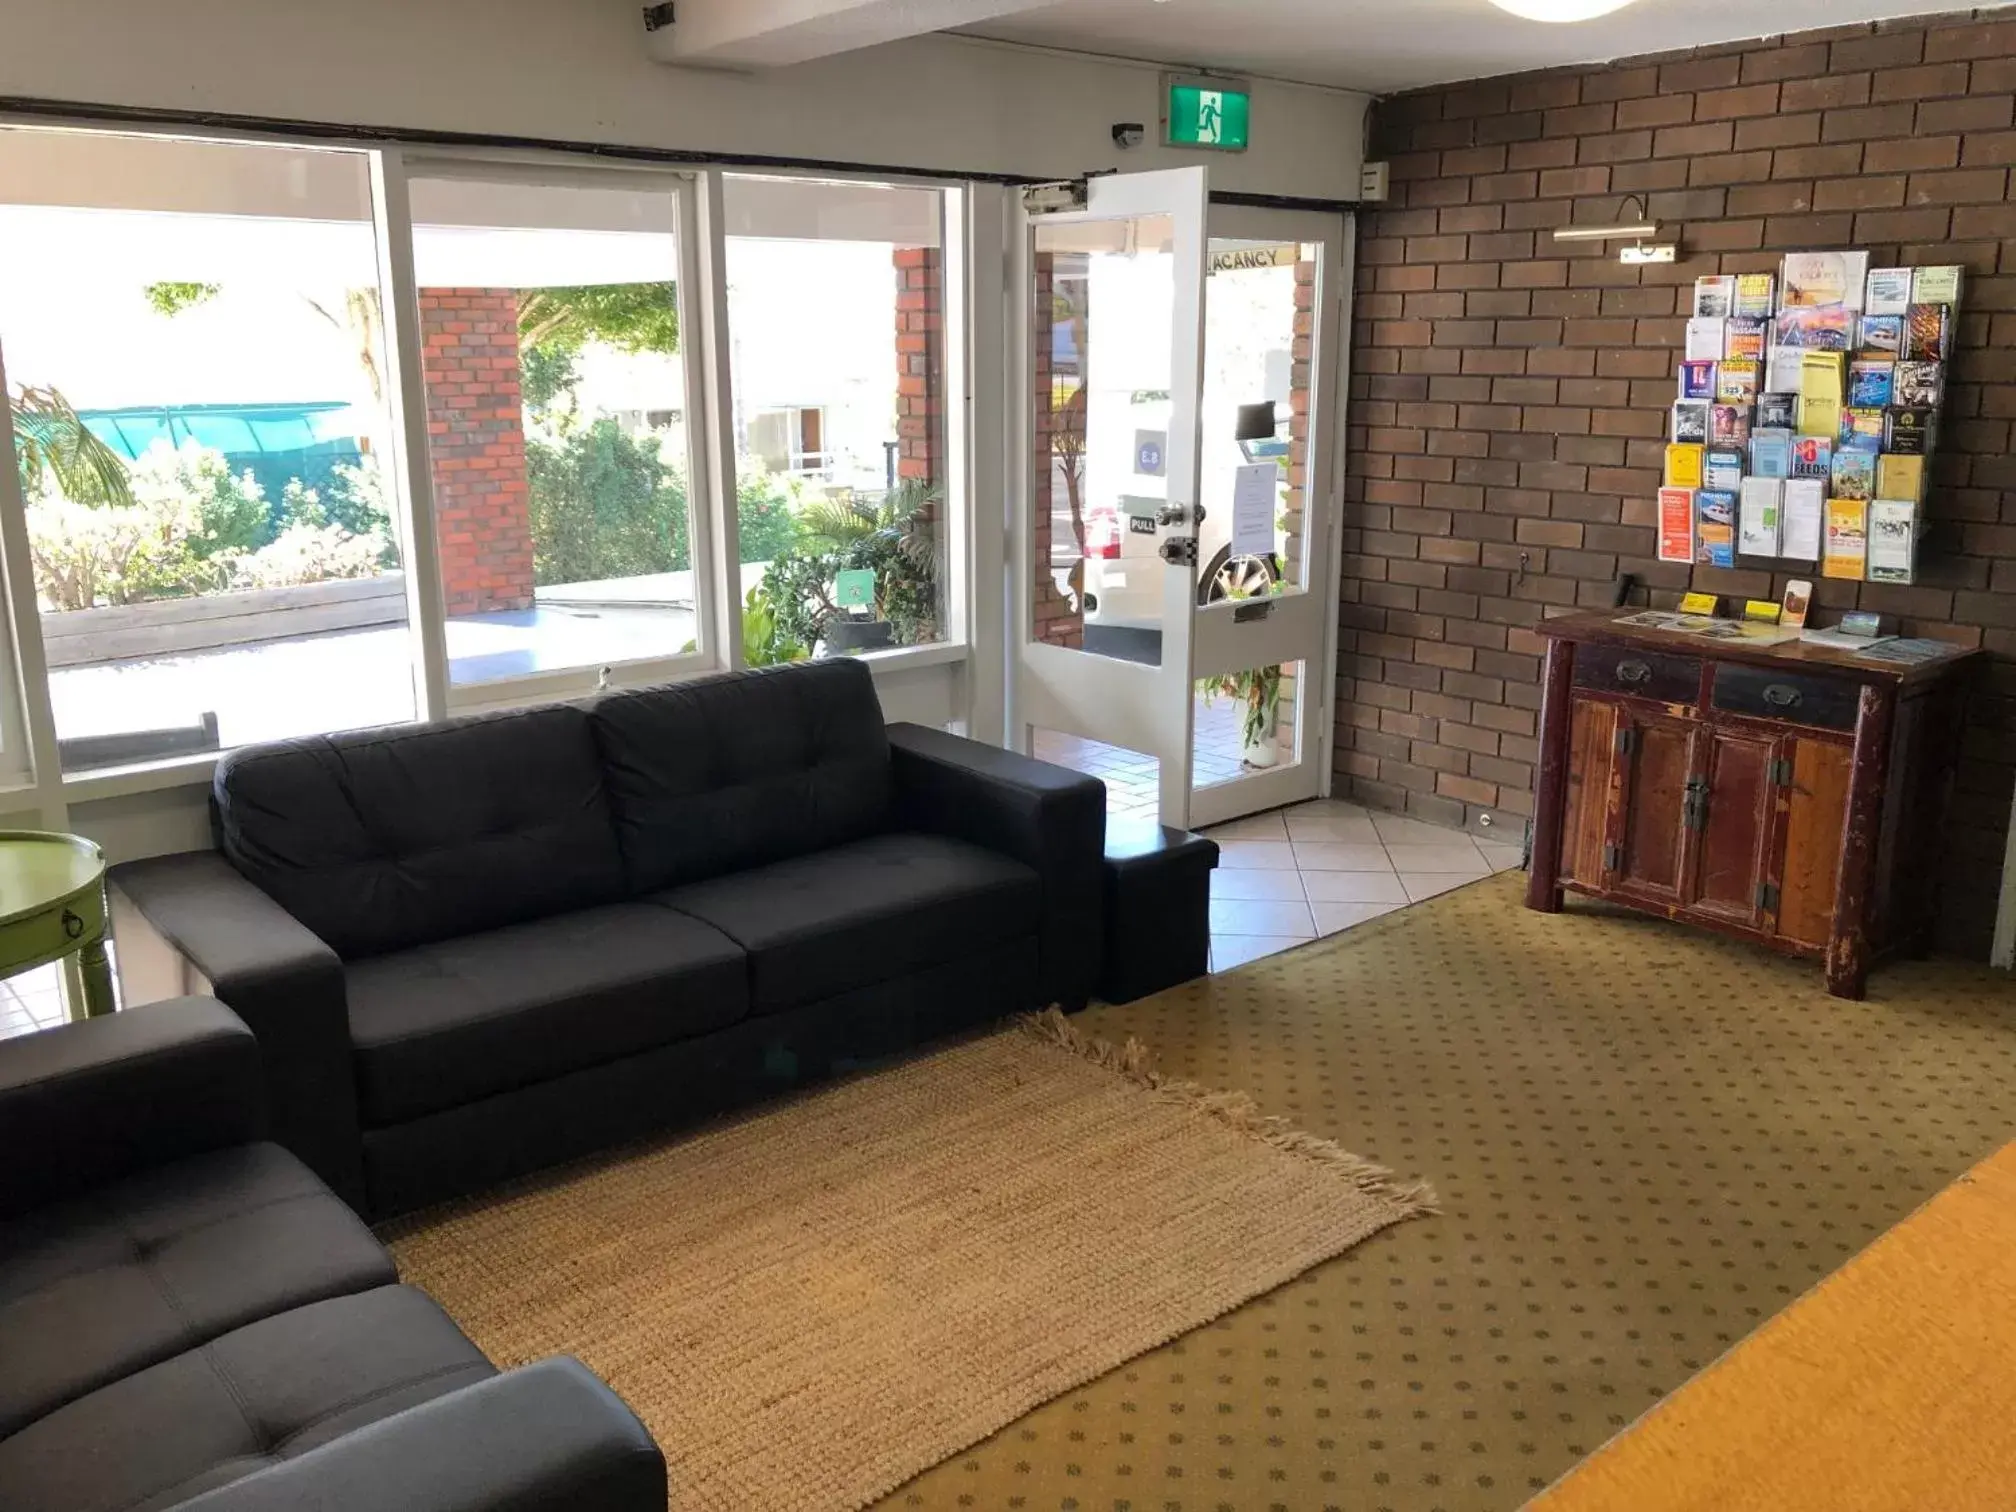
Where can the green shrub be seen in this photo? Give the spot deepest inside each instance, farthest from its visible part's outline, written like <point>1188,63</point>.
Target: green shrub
<point>604,505</point>
<point>232,512</point>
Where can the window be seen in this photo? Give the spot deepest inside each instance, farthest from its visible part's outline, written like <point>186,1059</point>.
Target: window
<point>836,309</point>
<point>226,424</point>
<point>791,441</point>
<point>553,354</point>
<point>195,363</point>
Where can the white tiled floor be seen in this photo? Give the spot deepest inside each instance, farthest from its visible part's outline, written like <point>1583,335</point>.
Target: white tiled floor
<point>1298,873</point>
<point>31,1001</point>
<point>1323,867</point>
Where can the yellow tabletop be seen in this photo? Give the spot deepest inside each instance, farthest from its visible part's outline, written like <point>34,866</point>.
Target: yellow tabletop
<point>52,908</point>
<point>38,868</point>
<point>1890,1387</point>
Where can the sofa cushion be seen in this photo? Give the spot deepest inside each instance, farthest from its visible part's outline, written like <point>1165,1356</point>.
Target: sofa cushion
<point>820,925</point>
<point>441,1025</point>
<point>722,773</point>
<point>106,1284</point>
<point>266,1392</point>
<point>390,838</point>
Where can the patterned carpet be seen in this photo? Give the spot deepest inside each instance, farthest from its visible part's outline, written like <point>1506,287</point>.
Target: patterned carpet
<point>1646,1141</point>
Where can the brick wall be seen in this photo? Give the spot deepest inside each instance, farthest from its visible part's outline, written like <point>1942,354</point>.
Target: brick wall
<point>1509,393</point>
<point>1057,618</point>
<point>920,361</point>
<point>476,440</point>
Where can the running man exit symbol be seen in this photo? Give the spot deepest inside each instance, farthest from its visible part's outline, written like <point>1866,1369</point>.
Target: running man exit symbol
<point>1216,114</point>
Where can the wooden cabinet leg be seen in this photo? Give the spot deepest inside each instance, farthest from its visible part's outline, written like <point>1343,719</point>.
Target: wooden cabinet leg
<point>1848,946</point>
<point>1550,805</point>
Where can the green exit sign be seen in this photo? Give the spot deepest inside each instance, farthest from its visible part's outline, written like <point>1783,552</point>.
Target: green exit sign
<point>1210,113</point>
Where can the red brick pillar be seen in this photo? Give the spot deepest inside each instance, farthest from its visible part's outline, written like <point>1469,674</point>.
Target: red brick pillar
<point>920,362</point>
<point>1056,617</point>
<point>476,440</point>
<point>1300,378</point>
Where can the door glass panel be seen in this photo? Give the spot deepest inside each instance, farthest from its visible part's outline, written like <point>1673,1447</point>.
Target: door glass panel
<point>556,423</point>
<point>1247,723</point>
<point>195,363</point>
<point>1260,303</point>
<point>1104,309</point>
<point>836,320</point>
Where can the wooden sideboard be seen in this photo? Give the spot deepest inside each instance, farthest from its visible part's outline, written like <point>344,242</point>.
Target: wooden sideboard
<point>1788,794</point>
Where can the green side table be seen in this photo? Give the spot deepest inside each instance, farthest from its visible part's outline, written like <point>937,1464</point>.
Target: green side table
<point>52,908</point>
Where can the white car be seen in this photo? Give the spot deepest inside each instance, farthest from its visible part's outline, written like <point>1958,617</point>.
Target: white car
<point>1123,568</point>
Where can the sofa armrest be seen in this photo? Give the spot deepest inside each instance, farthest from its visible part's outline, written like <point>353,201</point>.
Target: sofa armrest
<point>234,941</point>
<point>88,1103</point>
<point>546,1438</point>
<point>1047,817</point>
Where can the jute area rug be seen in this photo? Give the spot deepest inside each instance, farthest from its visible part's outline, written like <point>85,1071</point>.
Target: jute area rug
<point>813,1303</point>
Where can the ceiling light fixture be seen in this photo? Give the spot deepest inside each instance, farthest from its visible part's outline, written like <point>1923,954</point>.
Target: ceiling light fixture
<point>1560,10</point>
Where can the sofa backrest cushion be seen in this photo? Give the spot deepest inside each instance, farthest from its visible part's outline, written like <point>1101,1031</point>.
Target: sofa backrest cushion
<point>724,773</point>
<point>390,838</point>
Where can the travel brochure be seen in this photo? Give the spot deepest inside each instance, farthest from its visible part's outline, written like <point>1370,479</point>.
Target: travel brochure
<point>1806,412</point>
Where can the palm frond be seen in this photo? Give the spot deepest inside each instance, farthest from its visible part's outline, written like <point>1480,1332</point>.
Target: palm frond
<point>52,443</point>
<point>833,524</point>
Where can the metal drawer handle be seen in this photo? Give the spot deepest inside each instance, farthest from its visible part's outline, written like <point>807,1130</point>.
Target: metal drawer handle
<point>73,926</point>
<point>1782,696</point>
<point>1634,671</point>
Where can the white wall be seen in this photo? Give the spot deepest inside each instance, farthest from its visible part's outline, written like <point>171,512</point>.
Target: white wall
<point>575,70</point>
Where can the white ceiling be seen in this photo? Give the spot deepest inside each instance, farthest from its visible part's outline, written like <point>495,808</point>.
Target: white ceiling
<point>1386,45</point>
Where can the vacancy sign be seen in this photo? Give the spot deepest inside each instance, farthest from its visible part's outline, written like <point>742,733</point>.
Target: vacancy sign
<point>1211,113</point>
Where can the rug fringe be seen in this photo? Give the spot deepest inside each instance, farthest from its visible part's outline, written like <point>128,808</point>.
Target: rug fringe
<point>1236,1110</point>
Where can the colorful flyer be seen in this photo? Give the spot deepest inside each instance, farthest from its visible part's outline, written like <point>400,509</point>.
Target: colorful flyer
<point>1716,539</point>
<point>1683,465</point>
<point>1847,550</point>
<point>1889,291</point>
<point>1676,524</point>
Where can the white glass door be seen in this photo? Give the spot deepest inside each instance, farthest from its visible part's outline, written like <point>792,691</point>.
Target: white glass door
<point>1264,612</point>
<point>1114,363</point>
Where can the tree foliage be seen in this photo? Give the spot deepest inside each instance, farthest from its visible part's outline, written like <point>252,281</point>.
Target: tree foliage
<point>174,298</point>
<point>54,449</point>
<point>631,317</point>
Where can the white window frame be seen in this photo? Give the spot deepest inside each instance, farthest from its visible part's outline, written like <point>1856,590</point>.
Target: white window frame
<point>972,441</point>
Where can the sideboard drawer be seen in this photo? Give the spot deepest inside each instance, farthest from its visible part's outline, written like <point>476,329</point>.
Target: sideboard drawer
<point>1764,693</point>
<point>1647,674</point>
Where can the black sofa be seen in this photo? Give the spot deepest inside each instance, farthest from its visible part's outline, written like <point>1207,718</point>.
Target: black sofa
<point>189,1319</point>
<point>474,948</point>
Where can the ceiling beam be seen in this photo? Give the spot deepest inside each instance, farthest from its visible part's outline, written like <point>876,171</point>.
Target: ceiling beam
<point>776,33</point>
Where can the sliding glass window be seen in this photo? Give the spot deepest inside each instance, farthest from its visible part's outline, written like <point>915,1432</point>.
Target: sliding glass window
<point>195,356</point>
<point>557,410</point>
<point>836,320</point>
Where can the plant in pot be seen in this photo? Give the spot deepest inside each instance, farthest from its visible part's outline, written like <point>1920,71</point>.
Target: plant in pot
<point>896,540</point>
<point>1258,694</point>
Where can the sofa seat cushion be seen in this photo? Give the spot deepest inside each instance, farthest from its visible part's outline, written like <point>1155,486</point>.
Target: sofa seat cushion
<point>109,1283</point>
<point>263,1393</point>
<point>445,1024</point>
<point>878,909</point>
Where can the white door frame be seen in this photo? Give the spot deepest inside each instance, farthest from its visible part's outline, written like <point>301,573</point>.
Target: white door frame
<point>1299,626</point>
<point>1143,708</point>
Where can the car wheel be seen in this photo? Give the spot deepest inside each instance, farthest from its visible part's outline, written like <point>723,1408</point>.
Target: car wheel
<point>1228,577</point>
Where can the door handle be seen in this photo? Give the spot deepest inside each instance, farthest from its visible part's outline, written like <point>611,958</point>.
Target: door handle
<point>1694,807</point>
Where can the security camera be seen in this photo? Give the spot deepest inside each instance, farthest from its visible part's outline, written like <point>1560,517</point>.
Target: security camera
<point>1129,134</point>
